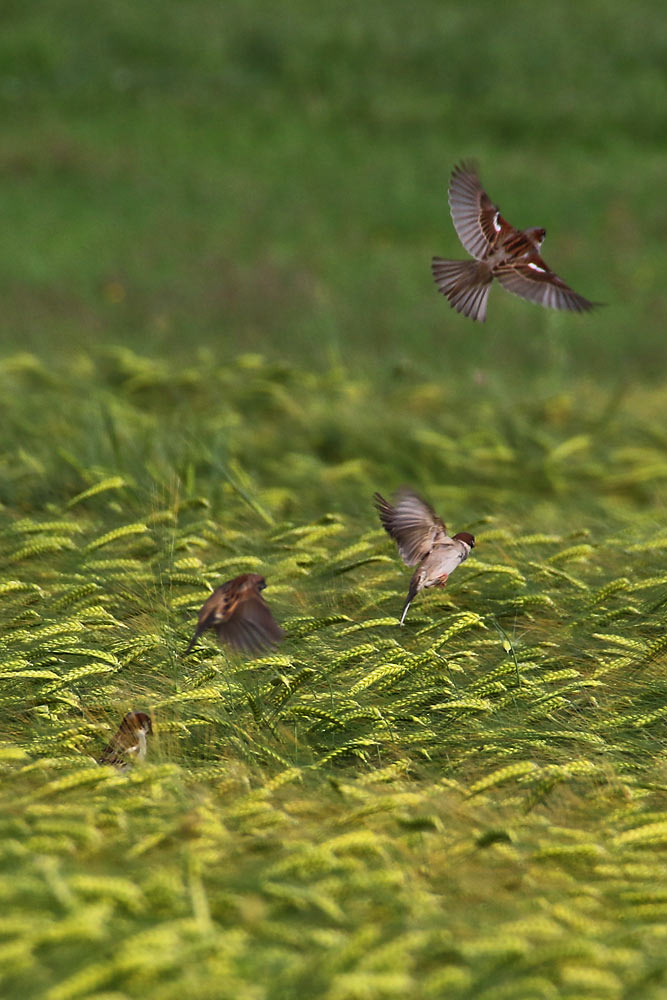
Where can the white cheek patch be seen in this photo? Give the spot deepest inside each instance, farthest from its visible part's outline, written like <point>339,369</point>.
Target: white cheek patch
<point>496,224</point>
<point>536,267</point>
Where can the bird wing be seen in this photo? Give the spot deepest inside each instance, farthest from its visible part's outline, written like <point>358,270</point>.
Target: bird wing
<point>251,628</point>
<point>111,754</point>
<point>118,751</point>
<point>532,279</point>
<point>219,603</point>
<point>412,523</point>
<point>478,222</point>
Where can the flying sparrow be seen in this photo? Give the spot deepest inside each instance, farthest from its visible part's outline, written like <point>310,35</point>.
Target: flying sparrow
<point>240,615</point>
<point>128,744</point>
<point>500,251</point>
<point>422,541</point>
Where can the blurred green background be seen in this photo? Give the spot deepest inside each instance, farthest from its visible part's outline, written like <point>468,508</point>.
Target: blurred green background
<point>253,176</point>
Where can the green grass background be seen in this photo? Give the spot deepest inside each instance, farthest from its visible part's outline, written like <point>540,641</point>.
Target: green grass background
<point>219,336</point>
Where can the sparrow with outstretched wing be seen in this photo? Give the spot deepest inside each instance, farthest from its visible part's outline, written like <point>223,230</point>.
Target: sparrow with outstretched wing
<point>422,541</point>
<point>240,616</point>
<point>510,255</point>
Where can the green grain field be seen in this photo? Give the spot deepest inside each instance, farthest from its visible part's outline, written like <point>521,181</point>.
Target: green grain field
<point>219,336</point>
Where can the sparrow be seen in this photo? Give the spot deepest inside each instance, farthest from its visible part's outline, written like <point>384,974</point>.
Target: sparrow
<point>128,744</point>
<point>422,541</point>
<point>240,615</point>
<point>500,251</point>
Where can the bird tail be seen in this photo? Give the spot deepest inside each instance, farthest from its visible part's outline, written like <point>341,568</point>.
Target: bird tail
<point>466,283</point>
<point>202,625</point>
<point>412,593</point>
<point>200,628</point>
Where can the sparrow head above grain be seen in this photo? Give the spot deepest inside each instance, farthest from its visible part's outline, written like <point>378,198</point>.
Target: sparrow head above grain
<point>128,744</point>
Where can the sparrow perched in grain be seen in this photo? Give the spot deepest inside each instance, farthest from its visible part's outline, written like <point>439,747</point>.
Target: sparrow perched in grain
<point>500,251</point>
<point>240,615</point>
<point>422,541</point>
<point>128,744</point>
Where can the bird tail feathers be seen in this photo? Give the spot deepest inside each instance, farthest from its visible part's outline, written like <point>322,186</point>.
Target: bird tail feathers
<point>465,283</point>
<point>412,593</point>
<point>201,627</point>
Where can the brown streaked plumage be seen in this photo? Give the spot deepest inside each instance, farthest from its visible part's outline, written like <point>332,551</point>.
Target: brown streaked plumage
<point>128,744</point>
<point>510,255</point>
<point>240,616</point>
<point>422,540</point>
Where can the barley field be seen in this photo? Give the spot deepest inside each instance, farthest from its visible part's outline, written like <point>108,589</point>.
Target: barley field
<point>219,337</point>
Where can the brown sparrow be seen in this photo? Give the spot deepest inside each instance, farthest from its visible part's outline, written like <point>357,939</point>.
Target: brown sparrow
<point>128,744</point>
<point>240,615</point>
<point>500,251</point>
<point>422,541</point>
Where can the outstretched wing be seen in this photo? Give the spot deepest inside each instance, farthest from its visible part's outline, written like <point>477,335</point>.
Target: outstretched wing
<point>251,628</point>
<point>478,222</point>
<point>412,523</point>
<point>533,280</point>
